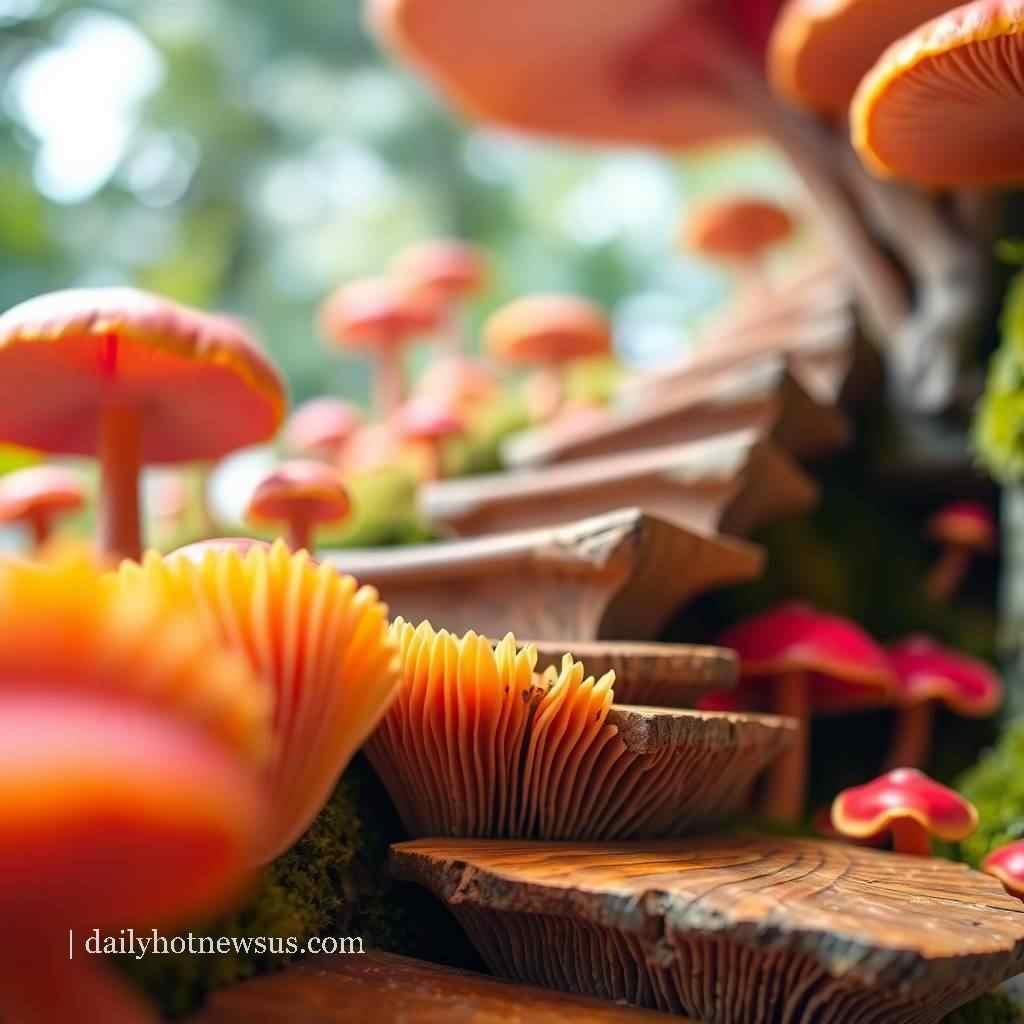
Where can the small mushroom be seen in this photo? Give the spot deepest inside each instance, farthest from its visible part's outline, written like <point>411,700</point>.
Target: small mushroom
<point>321,427</point>
<point>131,378</point>
<point>38,495</point>
<point>380,315</point>
<point>1007,864</point>
<point>910,806</point>
<point>465,383</point>
<point>548,331</point>
<point>930,674</point>
<point>303,495</point>
<point>964,529</point>
<point>428,424</point>
<point>807,661</point>
<point>822,823</point>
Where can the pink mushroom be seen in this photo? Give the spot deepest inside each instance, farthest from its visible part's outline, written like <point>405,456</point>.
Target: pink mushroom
<point>321,427</point>
<point>964,529</point>
<point>428,424</point>
<point>37,496</point>
<point>460,381</point>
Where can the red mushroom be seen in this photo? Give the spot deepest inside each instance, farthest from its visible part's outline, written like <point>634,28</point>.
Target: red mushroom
<point>380,315</point>
<point>909,805</point>
<point>321,427</point>
<point>809,661</point>
<point>928,673</point>
<point>1007,864</point>
<point>428,423</point>
<point>38,495</point>
<point>302,495</point>
<point>965,528</point>
<point>822,822</point>
<point>132,378</point>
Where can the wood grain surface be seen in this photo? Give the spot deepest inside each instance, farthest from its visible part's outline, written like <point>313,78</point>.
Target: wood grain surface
<point>758,930</point>
<point>380,988</point>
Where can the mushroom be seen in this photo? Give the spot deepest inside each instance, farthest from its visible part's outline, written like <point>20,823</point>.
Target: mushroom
<point>303,495</point>
<point>380,315</point>
<point>130,790</point>
<point>808,661</point>
<point>738,232</point>
<point>131,378</point>
<point>964,529</point>
<point>910,806</point>
<point>1007,864</point>
<point>548,331</point>
<point>317,637</point>
<point>465,383</point>
<point>927,674</point>
<point>321,427</point>
<point>38,495</point>
<point>822,824</point>
<point>427,424</point>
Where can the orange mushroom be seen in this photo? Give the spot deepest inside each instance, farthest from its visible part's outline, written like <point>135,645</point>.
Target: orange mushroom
<point>303,495</point>
<point>447,268</point>
<point>965,529</point>
<point>381,315</point>
<point>129,780</point>
<point>321,427</point>
<point>427,424</point>
<point>548,331</point>
<point>467,384</point>
<point>131,378</point>
<point>38,495</point>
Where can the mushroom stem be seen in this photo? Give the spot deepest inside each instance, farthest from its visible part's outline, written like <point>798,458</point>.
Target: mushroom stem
<point>120,457</point>
<point>388,383</point>
<point>909,836</point>
<point>912,737</point>
<point>300,532</point>
<point>945,578</point>
<point>785,789</point>
<point>40,525</point>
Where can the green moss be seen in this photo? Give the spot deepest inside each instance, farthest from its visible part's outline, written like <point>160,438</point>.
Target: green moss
<point>995,1008</point>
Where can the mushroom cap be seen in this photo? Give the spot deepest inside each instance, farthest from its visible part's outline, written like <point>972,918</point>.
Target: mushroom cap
<point>129,752</point>
<point>821,49</point>
<point>967,523</point>
<point>204,385</point>
<point>313,490</point>
<point>927,671</point>
<point>39,489</point>
<point>943,105</point>
<point>374,446</point>
<point>446,266</point>
<point>322,423</point>
<point>547,329</point>
<point>1007,864</point>
<point>428,419</point>
<point>865,811</point>
<point>319,640</point>
<point>378,312</point>
<point>506,64</point>
<point>458,379</point>
<point>737,228</point>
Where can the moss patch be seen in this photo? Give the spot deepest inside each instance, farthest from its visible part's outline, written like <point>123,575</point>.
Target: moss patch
<point>995,1008</point>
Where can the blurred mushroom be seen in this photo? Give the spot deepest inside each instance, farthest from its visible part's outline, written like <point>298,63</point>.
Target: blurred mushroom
<point>548,331</point>
<point>38,495</point>
<point>1007,864</point>
<point>964,529</point>
<point>321,427</point>
<point>373,447</point>
<point>808,661</point>
<point>129,792</point>
<point>466,383</point>
<point>928,674</point>
<point>909,805</point>
<point>302,495</point>
<point>428,424</point>
<point>131,378</point>
<point>381,315</point>
<point>317,637</point>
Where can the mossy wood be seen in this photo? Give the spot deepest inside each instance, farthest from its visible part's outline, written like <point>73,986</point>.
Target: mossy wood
<point>665,675</point>
<point>620,575</point>
<point>380,988</point>
<point>731,484</point>
<point>733,930</point>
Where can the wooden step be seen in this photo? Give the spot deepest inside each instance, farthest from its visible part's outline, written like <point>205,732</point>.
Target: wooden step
<point>616,576</point>
<point>380,988</point>
<point>731,930</point>
<point>665,675</point>
<point>731,484</point>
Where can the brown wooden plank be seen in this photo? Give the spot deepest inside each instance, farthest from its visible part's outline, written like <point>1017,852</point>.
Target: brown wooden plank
<point>380,988</point>
<point>732,929</point>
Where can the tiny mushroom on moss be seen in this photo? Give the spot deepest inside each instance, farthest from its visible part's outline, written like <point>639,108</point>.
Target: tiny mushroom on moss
<point>965,529</point>
<point>321,427</point>
<point>909,805</point>
<point>1007,864</point>
<point>428,423</point>
<point>467,383</point>
<point>131,378</point>
<point>37,496</point>
<point>928,674</point>
<point>303,495</point>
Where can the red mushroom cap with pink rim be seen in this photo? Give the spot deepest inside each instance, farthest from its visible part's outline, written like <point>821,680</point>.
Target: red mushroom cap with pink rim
<point>310,489</point>
<point>322,424</point>
<point>1007,864</point>
<point>927,671</point>
<point>39,490</point>
<point>967,524</point>
<point>737,228</point>
<point>900,795</point>
<point>449,268</point>
<point>547,329</point>
<point>426,419</point>
<point>378,312</point>
<point>202,385</point>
